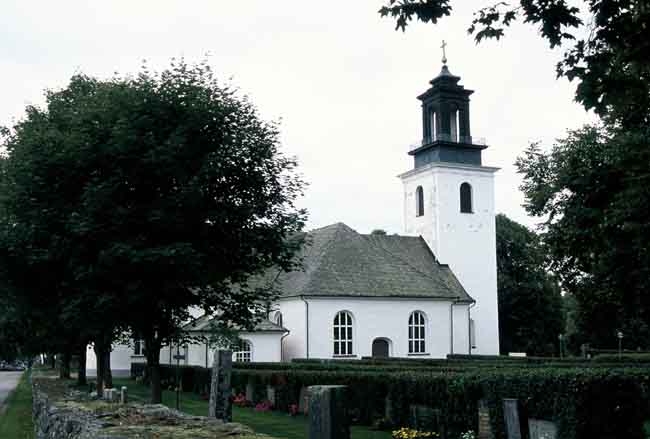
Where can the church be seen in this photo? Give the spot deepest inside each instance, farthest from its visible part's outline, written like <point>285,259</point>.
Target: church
<point>427,293</point>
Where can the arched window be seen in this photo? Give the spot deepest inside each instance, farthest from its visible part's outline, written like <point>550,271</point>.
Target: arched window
<point>343,333</point>
<point>465,198</point>
<point>278,318</point>
<point>419,201</point>
<point>244,352</point>
<point>417,333</point>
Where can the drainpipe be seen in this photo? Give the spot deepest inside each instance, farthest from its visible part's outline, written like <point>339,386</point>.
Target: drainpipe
<point>306,324</point>
<point>469,326</point>
<point>451,328</point>
<point>286,334</point>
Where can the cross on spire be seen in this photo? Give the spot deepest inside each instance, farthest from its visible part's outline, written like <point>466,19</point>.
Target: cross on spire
<point>444,55</point>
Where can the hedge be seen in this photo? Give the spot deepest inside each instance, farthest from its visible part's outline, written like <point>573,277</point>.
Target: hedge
<point>586,403</point>
<point>631,358</point>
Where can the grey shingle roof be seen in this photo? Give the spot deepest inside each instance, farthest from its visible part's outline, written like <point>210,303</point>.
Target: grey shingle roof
<point>338,261</point>
<point>203,324</point>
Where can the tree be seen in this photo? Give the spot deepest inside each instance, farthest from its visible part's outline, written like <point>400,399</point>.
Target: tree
<point>163,191</point>
<point>593,190</point>
<point>530,303</point>
<point>378,232</point>
<point>608,52</point>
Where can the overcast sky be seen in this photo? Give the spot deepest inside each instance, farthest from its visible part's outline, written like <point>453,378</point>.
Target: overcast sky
<point>342,81</point>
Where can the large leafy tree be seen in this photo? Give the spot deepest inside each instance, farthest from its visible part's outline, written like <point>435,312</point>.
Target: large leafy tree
<point>161,192</point>
<point>530,303</point>
<point>593,190</point>
<point>606,41</point>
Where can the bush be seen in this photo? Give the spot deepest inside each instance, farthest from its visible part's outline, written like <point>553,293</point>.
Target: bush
<point>585,402</point>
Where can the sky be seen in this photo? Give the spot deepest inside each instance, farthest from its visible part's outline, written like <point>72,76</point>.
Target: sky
<point>338,77</point>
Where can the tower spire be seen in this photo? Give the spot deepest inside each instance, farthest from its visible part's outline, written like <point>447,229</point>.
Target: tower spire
<point>444,55</point>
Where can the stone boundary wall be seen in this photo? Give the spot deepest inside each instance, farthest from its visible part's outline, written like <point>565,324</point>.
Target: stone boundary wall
<point>60,412</point>
<point>52,422</point>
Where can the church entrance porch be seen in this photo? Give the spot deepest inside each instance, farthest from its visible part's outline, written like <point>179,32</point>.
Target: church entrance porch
<point>380,348</point>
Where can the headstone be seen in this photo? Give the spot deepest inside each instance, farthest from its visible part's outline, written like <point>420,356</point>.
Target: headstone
<point>484,425</point>
<point>220,389</point>
<point>303,402</point>
<point>110,395</point>
<point>328,412</point>
<point>539,429</point>
<point>250,396</point>
<point>388,409</point>
<point>270,394</point>
<point>124,396</point>
<point>511,418</point>
<point>425,418</point>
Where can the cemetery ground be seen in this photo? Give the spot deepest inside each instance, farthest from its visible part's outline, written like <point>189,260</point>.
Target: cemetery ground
<point>16,416</point>
<point>273,423</point>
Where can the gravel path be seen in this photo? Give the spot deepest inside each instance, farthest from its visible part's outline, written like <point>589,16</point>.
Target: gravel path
<point>8,381</point>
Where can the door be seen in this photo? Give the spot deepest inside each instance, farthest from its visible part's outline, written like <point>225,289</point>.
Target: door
<point>380,348</point>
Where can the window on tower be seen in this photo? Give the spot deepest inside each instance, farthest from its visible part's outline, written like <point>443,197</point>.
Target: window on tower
<point>465,198</point>
<point>419,201</point>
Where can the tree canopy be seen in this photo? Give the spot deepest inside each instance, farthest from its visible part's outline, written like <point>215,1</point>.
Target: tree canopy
<point>530,304</point>
<point>129,200</point>
<point>607,44</point>
<point>593,191</point>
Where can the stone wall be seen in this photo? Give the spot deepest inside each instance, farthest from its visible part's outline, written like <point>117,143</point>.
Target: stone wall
<point>60,412</point>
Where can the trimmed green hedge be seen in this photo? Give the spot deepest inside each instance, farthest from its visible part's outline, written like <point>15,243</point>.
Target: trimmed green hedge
<point>586,402</point>
<point>643,358</point>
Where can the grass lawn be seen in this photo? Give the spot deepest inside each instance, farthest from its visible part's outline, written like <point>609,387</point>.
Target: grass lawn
<point>276,424</point>
<point>16,422</point>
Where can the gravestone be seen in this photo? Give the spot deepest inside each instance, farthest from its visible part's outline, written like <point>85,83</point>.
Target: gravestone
<point>388,409</point>
<point>425,418</point>
<point>270,394</point>
<point>539,429</point>
<point>484,425</point>
<point>250,392</point>
<point>220,388</point>
<point>511,418</point>
<point>328,412</point>
<point>303,401</point>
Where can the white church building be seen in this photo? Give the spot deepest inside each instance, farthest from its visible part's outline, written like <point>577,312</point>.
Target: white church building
<point>427,293</point>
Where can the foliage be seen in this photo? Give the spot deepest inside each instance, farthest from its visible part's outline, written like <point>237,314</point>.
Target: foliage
<point>409,433</point>
<point>607,53</point>
<point>592,190</point>
<point>275,423</point>
<point>615,394</point>
<point>158,192</point>
<point>530,303</point>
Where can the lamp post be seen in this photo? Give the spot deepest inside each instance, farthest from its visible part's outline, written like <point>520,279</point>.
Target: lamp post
<point>619,335</point>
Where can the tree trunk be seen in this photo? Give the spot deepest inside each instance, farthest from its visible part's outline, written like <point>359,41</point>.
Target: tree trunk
<point>108,375</point>
<point>153,368</point>
<point>100,367</point>
<point>64,365</point>
<point>81,371</point>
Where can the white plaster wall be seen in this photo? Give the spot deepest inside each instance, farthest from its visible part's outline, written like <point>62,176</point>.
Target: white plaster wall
<point>265,346</point>
<point>379,318</point>
<point>461,330</point>
<point>293,316</point>
<point>467,242</point>
<point>121,358</point>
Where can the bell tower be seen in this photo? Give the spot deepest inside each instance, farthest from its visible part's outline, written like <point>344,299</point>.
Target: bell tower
<point>449,201</point>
